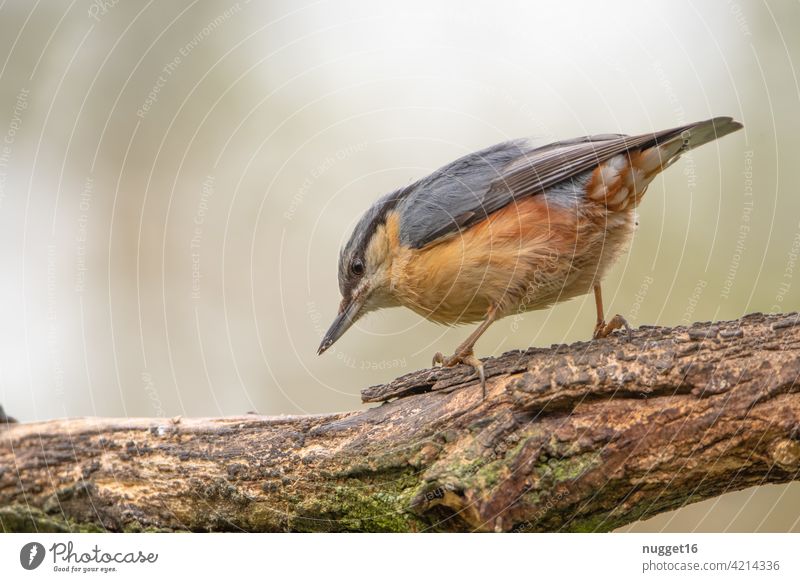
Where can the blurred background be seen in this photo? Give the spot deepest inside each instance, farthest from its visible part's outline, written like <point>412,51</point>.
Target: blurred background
<point>176,181</point>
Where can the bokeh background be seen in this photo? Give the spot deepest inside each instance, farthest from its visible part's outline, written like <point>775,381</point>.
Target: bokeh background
<point>176,180</point>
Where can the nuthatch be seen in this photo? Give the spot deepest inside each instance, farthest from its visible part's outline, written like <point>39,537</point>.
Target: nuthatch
<point>507,229</point>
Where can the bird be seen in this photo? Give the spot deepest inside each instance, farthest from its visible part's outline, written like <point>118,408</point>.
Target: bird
<point>511,228</point>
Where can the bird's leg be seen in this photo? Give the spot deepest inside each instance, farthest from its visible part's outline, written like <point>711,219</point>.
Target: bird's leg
<point>464,353</point>
<point>602,329</point>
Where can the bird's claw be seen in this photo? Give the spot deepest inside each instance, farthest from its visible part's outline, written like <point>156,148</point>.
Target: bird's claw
<point>477,365</point>
<point>603,329</point>
<point>467,358</point>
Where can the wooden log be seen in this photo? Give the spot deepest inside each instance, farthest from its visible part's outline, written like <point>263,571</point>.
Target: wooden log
<point>585,437</point>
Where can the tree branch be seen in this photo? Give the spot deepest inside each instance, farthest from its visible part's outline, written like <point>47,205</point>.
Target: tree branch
<point>589,436</point>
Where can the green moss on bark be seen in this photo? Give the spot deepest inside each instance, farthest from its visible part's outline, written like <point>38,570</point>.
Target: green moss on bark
<point>22,519</point>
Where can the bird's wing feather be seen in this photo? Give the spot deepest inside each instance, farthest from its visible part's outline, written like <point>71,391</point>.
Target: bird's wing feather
<point>466,191</point>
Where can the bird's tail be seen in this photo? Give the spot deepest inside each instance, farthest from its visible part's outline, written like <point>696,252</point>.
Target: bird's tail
<point>693,135</point>
<point>621,181</point>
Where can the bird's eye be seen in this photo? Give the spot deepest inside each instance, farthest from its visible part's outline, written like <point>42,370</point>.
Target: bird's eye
<point>357,267</point>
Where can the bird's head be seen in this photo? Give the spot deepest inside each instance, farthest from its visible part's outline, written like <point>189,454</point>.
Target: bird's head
<point>365,268</point>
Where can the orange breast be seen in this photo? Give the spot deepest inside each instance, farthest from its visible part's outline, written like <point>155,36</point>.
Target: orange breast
<point>528,255</point>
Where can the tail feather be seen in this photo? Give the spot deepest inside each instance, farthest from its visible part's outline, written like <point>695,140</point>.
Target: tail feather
<point>703,132</point>
<point>621,181</point>
<point>694,135</point>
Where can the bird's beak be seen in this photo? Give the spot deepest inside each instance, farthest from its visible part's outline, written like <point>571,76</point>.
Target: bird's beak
<point>348,313</point>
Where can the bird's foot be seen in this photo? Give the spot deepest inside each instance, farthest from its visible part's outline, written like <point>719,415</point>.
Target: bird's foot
<point>603,329</point>
<point>466,357</point>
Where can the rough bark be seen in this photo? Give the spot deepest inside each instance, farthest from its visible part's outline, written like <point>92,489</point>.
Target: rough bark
<point>585,437</point>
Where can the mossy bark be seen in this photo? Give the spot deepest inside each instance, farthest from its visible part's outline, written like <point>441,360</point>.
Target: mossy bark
<point>586,437</point>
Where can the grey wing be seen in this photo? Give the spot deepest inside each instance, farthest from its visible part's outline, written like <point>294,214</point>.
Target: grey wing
<point>466,191</point>
<point>455,196</point>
